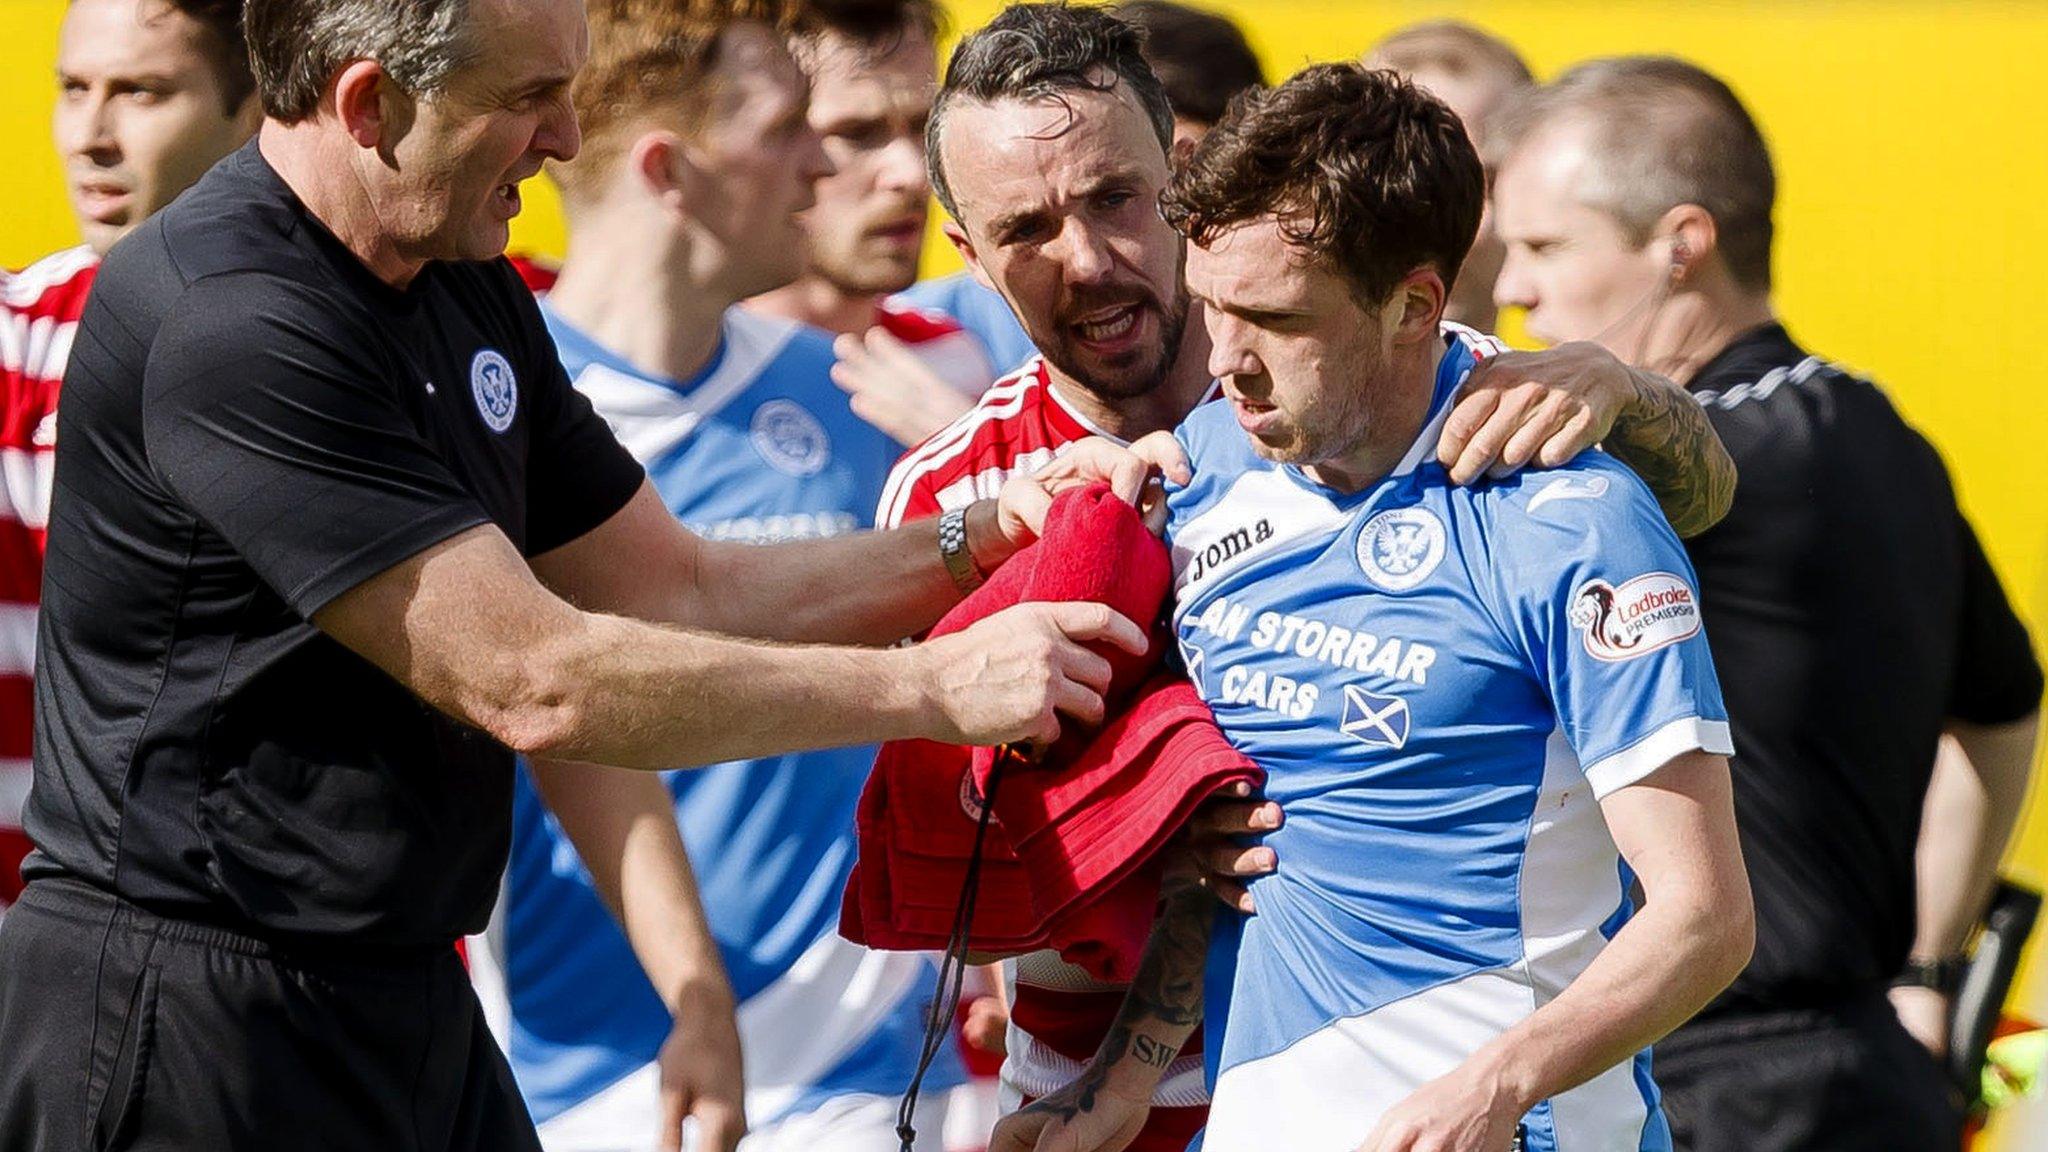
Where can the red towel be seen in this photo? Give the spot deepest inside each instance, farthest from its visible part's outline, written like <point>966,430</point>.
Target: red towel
<point>1070,860</point>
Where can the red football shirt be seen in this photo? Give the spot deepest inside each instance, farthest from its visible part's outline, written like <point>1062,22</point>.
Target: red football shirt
<point>1058,1013</point>
<point>39,310</point>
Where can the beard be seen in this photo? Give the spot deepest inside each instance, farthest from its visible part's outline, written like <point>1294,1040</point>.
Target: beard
<point>1336,425</point>
<point>1128,377</point>
<point>860,263</point>
<point>854,275</point>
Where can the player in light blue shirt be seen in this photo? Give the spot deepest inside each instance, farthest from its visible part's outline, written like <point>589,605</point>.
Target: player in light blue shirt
<point>674,217</point>
<point>759,445</point>
<point>1487,712</point>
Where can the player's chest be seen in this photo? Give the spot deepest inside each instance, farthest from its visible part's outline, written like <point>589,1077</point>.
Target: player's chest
<point>1364,644</point>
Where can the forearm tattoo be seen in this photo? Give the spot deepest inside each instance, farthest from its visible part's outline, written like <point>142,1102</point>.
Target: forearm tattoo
<point>1666,438</point>
<point>1167,991</point>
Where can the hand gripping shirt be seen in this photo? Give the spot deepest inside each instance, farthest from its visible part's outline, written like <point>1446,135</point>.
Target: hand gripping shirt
<point>760,446</point>
<point>1442,682</point>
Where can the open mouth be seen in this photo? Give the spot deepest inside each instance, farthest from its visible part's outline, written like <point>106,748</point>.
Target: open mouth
<point>1253,416</point>
<point>1110,326</point>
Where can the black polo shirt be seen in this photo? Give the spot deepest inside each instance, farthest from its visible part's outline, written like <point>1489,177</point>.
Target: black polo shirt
<point>1851,613</point>
<point>252,425</point>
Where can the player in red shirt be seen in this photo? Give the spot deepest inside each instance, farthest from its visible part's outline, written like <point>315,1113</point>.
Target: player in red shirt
<point>150,94</point>
<point>1052,152</point>
<point>872,69</point>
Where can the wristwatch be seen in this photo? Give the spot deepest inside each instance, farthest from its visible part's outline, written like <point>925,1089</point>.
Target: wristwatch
<point>1942,975</point>
<point>953,550</point>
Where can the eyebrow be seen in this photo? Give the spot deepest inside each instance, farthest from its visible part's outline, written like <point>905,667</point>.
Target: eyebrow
<point>119,76</point>
<point>1249,308</point>
<point>1094,186</point>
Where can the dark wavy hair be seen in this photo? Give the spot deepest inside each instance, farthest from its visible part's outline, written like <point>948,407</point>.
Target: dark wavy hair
<point>225,48</point>
<point>1365,171</point>
<point>1201,58</point>
<point>1044,52</point>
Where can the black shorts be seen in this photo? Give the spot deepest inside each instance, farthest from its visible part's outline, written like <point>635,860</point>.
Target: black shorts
<point>1844,1079</point>
<point>125,1030</point>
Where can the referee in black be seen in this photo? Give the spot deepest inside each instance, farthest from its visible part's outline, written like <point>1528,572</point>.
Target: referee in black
<point>332,539</point>
<point>1851,611</point>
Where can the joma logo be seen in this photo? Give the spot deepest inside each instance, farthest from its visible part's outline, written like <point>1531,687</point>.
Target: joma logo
<point>1233,543</point>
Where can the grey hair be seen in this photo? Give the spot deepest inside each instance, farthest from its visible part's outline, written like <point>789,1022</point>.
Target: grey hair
<point>1043,52</point>
<point>1662,132</point>
<point>296,46</point>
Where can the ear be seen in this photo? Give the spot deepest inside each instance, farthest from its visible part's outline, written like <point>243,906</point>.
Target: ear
<point>1690,238</point>
<point>965,247</point>
<point>660,164</point>
<point>1417,306</point>
<point>366,102</point>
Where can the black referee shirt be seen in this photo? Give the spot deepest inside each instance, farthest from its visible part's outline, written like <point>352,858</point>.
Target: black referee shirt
<point>1851,612</point>
<point>252,425</point>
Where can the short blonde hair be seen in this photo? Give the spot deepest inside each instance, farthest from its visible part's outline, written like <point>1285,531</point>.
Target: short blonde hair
<point>650,62</point>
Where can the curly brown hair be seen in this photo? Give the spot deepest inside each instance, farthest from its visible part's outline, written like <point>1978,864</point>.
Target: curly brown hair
<point>1365,171</point>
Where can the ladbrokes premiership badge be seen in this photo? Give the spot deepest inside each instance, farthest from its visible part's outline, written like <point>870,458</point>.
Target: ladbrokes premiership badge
<point>1621,622</point>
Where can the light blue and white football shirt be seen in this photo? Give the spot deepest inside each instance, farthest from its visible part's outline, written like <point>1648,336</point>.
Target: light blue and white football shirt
<point>759,446</point>
<point>1442,683</point>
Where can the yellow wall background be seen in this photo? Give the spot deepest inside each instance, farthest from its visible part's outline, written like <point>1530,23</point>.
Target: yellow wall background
<point>1909,139</point>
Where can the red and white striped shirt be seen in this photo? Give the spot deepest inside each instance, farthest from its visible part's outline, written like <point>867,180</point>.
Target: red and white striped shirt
<point>39,310</point>
<point>939,340</point>
<point>1058,1013</point>
<point>1018,424</point>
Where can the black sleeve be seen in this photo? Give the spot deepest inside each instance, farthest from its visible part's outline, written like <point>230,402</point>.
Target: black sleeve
<point>1997,678</point>
<point>578,475</point>
<point>265,416</point>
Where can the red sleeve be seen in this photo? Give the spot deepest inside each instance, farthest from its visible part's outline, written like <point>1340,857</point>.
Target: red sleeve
<point>909,495</point>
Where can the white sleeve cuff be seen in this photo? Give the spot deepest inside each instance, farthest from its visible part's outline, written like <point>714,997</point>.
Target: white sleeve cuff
<point>1659,748</point>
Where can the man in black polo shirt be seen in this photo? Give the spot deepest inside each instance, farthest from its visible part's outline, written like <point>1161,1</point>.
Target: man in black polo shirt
<point>332,538</point>
<point>1850,609</point>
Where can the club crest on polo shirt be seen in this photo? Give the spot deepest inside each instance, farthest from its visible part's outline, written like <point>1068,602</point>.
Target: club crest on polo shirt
<point>1635,617</point>
<point>1400,547</point>
<point>790,439</point>
<point>495,388</point>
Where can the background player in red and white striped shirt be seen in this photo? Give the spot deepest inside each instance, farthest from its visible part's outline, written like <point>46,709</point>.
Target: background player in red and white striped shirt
<point>151,94</point>
<point>1052,142</point>
<point>872,70</point>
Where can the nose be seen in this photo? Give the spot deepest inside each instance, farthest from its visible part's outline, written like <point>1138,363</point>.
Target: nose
<point>817,165</point>
<point>85,127</point>
<point>1083,253</point>
<point>1513,287</point>
<point>903,167</point>
<point>559,136</point>
<point>1229,353</point>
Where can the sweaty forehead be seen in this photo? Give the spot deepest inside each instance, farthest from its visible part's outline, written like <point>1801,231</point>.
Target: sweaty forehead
<point>1009,154</point>
<point>1250,266</point>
